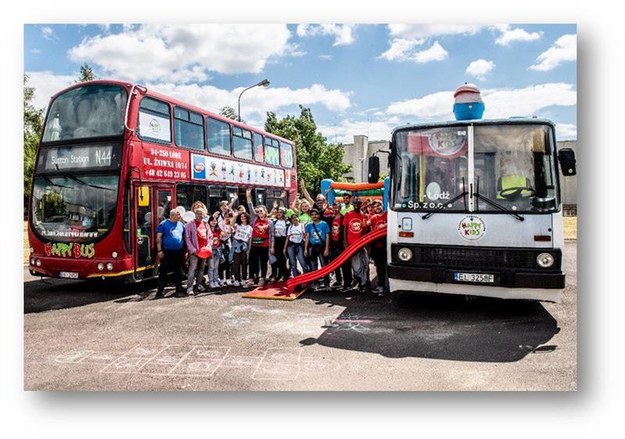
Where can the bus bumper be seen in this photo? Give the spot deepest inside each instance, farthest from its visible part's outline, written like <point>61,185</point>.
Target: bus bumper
<point>506,284</point>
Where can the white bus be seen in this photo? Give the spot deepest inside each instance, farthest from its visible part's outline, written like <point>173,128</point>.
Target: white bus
<point>475,209</point>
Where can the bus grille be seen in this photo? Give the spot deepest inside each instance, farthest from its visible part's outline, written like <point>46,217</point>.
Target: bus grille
<point>475,258</point>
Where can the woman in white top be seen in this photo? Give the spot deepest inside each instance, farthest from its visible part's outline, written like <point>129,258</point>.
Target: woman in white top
<point>294,245</point>
<point>241,242</point>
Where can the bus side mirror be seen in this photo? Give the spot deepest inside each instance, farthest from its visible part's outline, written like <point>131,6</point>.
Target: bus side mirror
<point>566,157</point>
<point>374,169</point>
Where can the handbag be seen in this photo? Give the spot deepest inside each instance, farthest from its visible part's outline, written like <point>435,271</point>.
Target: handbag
<point>205,252</point>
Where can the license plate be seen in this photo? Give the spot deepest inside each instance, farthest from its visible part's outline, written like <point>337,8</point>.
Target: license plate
<point>475,277</point>
<point>68,274</point>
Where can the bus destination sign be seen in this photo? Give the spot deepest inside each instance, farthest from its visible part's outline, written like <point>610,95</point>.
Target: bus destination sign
<point>98,156</point>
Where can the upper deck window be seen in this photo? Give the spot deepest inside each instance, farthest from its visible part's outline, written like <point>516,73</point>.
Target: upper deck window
<point>88,111</point>
<point>242,140</point>
<point>286,154</point>
<point>259,156</point>
<point>188,129</point>
<point>218,136</point>
<point>155,120</point>
<point>272,151</point>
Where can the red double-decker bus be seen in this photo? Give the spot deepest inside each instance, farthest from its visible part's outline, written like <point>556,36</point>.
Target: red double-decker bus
<point>114,158</point>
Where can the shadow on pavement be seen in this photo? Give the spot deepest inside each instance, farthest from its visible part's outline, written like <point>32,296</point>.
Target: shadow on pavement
<point>437,327</point>
<point>49,294</point>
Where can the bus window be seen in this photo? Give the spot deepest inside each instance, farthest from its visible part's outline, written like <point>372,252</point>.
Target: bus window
<point>154,120</point>
<point>272,152</point>
<point>188,129</point>
<point>258,147</point>
<point>286,154</point>
<point>187,194</point>
<point>218,136</point>
<point>89,111</point>
<point>215,195</point>
<point>242,140</point>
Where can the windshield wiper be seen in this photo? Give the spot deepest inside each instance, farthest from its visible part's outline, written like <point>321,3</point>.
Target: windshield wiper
<point>494,203</point>
<point>452,201</point>
<point>46,178</point>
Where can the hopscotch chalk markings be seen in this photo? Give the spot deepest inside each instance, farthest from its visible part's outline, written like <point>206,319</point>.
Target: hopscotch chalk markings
<point>285,364</point>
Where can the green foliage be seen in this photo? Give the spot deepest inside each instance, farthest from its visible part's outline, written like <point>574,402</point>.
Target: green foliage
<point>229,112</point>
<point>86,74</point>
<point>316,159</point>
<point>33,121</point>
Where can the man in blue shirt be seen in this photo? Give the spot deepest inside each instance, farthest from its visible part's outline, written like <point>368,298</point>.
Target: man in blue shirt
<point>170,246</point>
<point>317,244</point>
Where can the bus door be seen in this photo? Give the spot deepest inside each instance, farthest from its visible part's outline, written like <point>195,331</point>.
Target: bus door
<point>260,198</point>
<point>151,205</point>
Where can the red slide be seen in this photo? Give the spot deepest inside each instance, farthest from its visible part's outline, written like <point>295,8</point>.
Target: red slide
<point>312,276</point>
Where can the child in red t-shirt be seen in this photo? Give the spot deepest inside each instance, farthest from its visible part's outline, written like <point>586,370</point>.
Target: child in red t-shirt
<point>355,227</point>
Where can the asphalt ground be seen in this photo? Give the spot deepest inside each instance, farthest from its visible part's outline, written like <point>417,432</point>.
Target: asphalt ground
<point>108,337</point>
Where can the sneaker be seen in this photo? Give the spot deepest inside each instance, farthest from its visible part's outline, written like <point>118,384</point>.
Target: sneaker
<point>190,291</point>
<point>158,295</point>
<point>230,282</point>
<point>201,288</point>
<point>236,283</point>
<point>214,285</point>
<point>261,282</point>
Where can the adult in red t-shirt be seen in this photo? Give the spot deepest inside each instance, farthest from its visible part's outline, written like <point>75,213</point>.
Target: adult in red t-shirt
<point>378,248</point>
<point>355,227</point>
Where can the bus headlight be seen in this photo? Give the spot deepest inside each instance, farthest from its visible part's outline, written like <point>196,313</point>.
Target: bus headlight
<point>545,260</point>
<point>38,262</point>
<point>32,261</point>
<point>100,266</point>
<point>114,255</point>
<point>109,266</point>
<point>404,254</point>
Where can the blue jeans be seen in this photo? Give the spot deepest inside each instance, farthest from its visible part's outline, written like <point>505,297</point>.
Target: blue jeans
<point>296,253</point>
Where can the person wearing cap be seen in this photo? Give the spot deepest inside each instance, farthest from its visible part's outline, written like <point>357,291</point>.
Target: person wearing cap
<point>355,228</point>
<point>317,243</point>
<point>276,247</point>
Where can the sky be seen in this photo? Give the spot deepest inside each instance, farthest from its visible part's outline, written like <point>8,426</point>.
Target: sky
<point>358,79</point>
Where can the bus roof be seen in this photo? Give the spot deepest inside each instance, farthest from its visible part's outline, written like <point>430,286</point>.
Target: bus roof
<point>452,123</point>
<point>174,101</point>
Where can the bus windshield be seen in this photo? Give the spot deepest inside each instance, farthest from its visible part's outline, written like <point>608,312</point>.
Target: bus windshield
<point>509,168</point>
<point>74,208</point>
<point>84,112</point>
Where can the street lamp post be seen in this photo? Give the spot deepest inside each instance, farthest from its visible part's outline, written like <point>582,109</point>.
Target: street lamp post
<point>263,83</point>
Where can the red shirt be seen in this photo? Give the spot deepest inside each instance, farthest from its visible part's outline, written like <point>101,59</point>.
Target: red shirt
<point>378,221</point>
<point>335,229</point>
<point>216,239</point>
<point>260,233</point>
<point>354,226</point>
<point>202,233</point>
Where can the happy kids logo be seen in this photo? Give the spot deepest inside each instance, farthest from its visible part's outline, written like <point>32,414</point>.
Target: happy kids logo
<point>472,228</point>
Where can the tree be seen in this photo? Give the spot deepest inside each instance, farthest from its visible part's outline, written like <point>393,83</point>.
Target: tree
<point>33,122</point>
<point>316,159</point>
<point>229,112</point>
<point>86,74</point>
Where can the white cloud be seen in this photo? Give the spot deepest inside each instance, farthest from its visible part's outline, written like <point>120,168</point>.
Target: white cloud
<point>499,103</point>
<point>256,101</point>
<point>566,131</point>
<point>437,105</point>
<point>564,49</point>
<point>406,50</point>
<point>480,68</point>
<point>47,33</point>
<point>345,131</point>
<point>343,33</point>
<point>186,52</point>
<point>509,35</point>
<point>47,84</point>
<point>527,101</point>
<point>424,31</point>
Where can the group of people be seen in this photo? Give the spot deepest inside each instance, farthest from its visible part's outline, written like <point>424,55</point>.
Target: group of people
<point>237,247</point>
